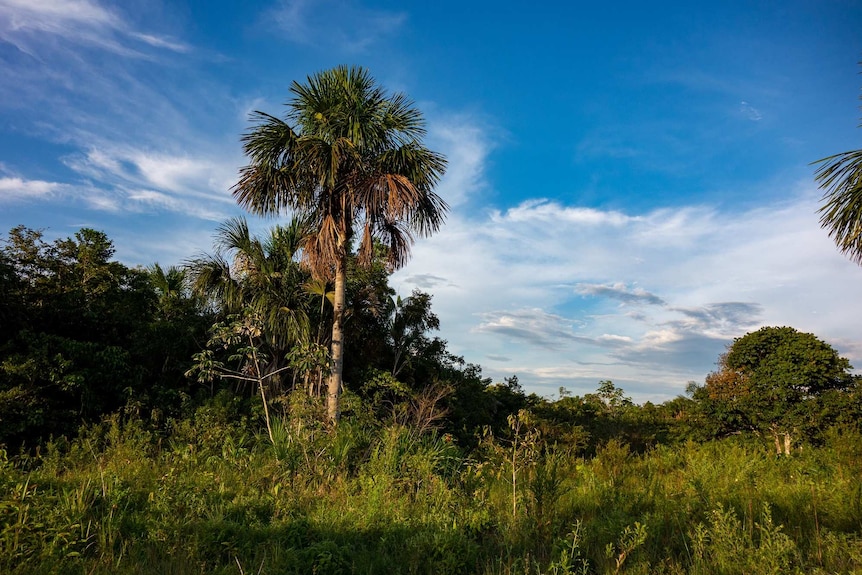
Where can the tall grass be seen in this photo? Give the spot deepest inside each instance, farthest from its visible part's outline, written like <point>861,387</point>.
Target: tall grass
<point>210,496</point>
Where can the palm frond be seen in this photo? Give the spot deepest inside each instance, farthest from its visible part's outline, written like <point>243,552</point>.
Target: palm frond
<point>840,176</point>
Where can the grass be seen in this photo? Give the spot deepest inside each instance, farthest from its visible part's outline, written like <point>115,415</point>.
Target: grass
<point>212,498</point>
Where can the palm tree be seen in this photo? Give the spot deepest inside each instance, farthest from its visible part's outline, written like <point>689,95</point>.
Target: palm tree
<point>840,176</point>
<point>350,157</point>
<point>171,288</point>
<point>247,275</point>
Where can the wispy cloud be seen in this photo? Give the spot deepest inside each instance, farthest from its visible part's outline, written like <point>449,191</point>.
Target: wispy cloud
<point>153,201</point>
<point>468,143</point>
<point>426,281</point>
<point>84,80</point>
<point>621,292</point>
<point>344,24</point>
<point>533,326</point>
<point>146,180</point>
<point>160,42</point>
<point>723,319</point>
<point>56,16</point>
<point>27,25</point>
<point>750,111</point>
<point>114,199</point>
<point>543,211</point>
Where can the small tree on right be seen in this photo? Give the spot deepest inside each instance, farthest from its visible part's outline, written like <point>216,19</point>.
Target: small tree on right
<point>776,381</point>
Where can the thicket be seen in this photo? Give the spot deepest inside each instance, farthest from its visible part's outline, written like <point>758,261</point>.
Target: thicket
<point>159,421</point>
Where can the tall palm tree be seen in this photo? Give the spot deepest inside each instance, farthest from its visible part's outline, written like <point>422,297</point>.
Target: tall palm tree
<point>350,157</point>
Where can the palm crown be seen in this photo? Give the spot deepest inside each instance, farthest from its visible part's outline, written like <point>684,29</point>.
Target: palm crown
<point>349,157</point>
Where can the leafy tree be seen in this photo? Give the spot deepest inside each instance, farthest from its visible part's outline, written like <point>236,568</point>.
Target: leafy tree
<point>350,157</point>
<point>366,312</point>
<point>177,329</point>
<point>242,336</point>
<point>410,319</point>
<point>67,353</point>
<point>10,309</point>
<point>773,381</point>
<point>612,399</point>
<point>172,289</point>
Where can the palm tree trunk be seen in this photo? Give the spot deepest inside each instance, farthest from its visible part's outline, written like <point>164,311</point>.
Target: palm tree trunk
<point>333,394</point>
<point>262,391</point>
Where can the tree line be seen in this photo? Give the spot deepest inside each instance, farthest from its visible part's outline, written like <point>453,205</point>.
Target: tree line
<point>84,336</point>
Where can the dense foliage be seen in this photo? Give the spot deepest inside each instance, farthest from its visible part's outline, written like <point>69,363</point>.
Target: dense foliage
<point>84,336</point>
<point>173,421</point>
<point>211,497</point>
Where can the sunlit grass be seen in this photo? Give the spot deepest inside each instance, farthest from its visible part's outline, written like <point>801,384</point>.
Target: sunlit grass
<point>210,497</point>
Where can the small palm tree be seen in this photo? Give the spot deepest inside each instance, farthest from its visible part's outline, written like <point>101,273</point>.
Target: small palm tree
<point>171,288</point>
<point>247,275</point>
<point>349,157</point>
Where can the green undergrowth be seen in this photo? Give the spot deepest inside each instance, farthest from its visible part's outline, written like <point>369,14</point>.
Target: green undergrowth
<point>209,496</point>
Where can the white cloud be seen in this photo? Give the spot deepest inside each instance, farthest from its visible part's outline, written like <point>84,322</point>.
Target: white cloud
<point>143,180</point>
<point>150,200</point>
<point>467,148</point>
<point>614,339</point>
<point>26,24</point>
<point>12,188</point>
<point>102,201</point>
<point>138,145</point>
<point>544,211</point>
<point>50,15</point>
<point>541,284</point>
<point>184,175</point>
<point>116,191</point>
<point>159,42</point>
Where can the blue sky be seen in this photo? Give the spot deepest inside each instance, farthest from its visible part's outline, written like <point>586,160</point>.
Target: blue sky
<point>630,184</point>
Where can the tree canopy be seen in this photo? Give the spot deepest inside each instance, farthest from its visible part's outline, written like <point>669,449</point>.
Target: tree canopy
<point>773,380</point>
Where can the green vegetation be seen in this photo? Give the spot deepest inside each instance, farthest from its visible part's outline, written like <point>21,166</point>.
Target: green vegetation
<point>184,420</point>
<point>780,382</point>
<point>432,468</point>
<point>207,496</point>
